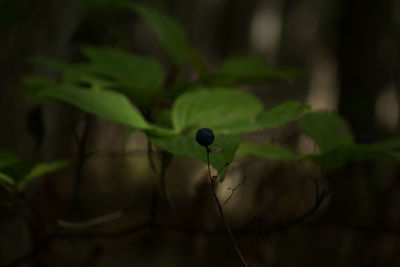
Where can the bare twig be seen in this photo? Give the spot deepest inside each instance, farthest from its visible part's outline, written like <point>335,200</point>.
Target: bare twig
<point>234,189</point>
<point>228,228</point>
<point>220,170</point>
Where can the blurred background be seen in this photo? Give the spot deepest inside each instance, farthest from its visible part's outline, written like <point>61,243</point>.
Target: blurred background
<point>349,52</point>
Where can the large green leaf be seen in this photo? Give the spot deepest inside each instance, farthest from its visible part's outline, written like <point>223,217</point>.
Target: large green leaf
<point>268,151</point>
<point>172,37</point>
<point>186,146</point>
<point>139,76</point>
<point>221,109</point>
<point>329,131</point>
<point>104,103</point>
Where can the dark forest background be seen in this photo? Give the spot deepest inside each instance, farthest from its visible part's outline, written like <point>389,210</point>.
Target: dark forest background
<point>349,54</point>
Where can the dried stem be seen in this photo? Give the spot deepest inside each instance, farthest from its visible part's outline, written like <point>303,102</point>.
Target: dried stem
<point>228,228</point>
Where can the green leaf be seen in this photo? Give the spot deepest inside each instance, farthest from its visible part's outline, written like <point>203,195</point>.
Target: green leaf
<point>41,169</point>
<point>75,73</point>
<point>268,151</point>
<point>18,169</point>
<point>334,159</point>
<point>31,84</point>
<point>104,103</point>
<point>140,77</point>
<point>186,146</point>
<point>157,131</point>
<point>222,109</point>
<point>248,70</point>
<point>276,116</point>
<point>172,37</point>
<point>281,114</point>
<point>7,158</point>
<point>242,65</point>
<point>329,131</point>
<point>6,179</point>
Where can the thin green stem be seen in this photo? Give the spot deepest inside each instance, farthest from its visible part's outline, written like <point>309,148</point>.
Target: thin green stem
<point>228,228</point>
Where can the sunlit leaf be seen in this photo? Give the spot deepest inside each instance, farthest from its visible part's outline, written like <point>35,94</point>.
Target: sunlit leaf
<point>268,151</point>
<point>329,131</point>
<point>220,109</point>
<point>104,103</point>
<point>186,146</point>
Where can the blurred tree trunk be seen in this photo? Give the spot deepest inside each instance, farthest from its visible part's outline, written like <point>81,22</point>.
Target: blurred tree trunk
<point>365,61</point>
<point>43,28</point>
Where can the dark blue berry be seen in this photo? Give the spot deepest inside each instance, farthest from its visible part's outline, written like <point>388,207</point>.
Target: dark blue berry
<point>205,137</point>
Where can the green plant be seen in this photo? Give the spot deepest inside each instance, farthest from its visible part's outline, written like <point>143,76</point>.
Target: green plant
<point>120,86</point>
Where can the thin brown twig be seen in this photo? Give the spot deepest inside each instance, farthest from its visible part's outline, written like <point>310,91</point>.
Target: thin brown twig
<point>234,189</point>
<point>228,228</point>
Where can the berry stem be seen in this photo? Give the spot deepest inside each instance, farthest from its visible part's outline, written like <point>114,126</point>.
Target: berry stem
<point>221,211</point>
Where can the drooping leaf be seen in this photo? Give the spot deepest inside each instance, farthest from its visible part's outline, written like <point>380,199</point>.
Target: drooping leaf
<point>18,169</point>
<point>41,169</point>
<point>329,131</point>
<point>7,158</point>
<point>186,146</point>
<point>6,179</point>
<point>268,151</point>
<point>104,103</point>
<point>221,109</point>
<point>140,77</point>
<point>32,84</point>
<point>172,37</point>
<point>338,157</point>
